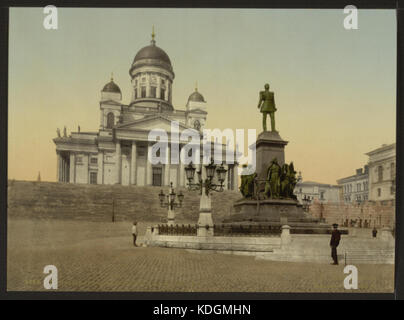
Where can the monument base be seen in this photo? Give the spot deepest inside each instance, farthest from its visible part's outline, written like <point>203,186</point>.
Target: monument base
<point>275,212</point>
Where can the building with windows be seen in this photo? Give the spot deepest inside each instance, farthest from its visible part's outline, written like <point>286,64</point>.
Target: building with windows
<point>119,152</point>
<point>382,173</point>
<point>355,188</point>
<point>310,190</point>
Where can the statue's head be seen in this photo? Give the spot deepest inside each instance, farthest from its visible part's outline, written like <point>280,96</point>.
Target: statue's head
<point>266,86</point>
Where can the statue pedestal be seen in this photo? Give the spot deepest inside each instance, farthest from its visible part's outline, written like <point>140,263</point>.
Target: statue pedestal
<point>269,145</point>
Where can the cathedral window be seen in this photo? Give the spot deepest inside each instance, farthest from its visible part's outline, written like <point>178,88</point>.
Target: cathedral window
<point>110,120</point>
<point>153,91</point>
<point>380,173</point>
<point>143,92</point>
<point>162,93</point>
<point>135,93</point>
<point>93,177</point>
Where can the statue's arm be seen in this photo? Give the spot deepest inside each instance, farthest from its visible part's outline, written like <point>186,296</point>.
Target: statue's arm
<point>260,100</point>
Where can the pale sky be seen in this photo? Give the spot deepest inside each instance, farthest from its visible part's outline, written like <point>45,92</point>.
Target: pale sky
<point>335,89</point>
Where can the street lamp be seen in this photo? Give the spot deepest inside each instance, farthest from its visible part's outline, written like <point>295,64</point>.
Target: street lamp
<point>207,184</point>
<point>171,202</point>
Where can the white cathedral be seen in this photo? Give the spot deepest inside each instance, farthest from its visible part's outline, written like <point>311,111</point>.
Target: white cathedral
<point>118,152</point>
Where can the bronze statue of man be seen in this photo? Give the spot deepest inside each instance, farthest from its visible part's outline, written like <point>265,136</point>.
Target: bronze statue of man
<point>267,104</point>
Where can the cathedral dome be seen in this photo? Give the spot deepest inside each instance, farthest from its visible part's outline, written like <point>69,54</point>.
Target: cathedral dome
<point>111,87</point>
<point>152,55</point>
<point>196,96</point>
<point>152,52</point>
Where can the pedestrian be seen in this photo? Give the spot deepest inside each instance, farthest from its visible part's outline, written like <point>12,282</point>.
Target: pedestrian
<point>134,233</point>
<point>374,232</point>
<point>335,239</point>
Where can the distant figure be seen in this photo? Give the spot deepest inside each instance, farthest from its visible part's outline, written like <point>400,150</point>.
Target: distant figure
<point>374,232</point>
<point>78,129</point>
<point>64,132</point>
<point>58,132</point>
<point>134,233</point>
<point>335,239</point>
<point>39,176</point>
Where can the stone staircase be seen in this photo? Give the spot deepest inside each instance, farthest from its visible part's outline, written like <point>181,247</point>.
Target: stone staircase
<point>51,200</point>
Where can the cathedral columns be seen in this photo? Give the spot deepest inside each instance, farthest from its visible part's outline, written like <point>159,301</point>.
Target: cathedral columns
<point>72,175</point>
<point>235,177</point>
<point>167,167</point>
<point>100,173</point>
<point>133,164</point>
<point>158,89</point>
<point>182,172</point>
<point>58,167</point>
<point>149,169</point>
<point>118,162</point>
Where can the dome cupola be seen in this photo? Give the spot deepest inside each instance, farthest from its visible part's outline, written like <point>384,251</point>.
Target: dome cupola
<point>152,77</point>
<point>196,96</point>
<point>111,91</point>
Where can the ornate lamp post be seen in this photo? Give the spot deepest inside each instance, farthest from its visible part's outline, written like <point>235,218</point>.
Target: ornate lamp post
<point>170,203</point>
<point>205,184</point>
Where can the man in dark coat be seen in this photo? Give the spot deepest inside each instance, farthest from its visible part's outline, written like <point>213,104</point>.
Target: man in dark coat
<point>335,239</point>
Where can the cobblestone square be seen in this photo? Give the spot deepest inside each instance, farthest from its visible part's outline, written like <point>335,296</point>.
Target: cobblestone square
<point>100,256</point>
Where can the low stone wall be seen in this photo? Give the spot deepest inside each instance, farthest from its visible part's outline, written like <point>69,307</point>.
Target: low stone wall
<point>286,246</point>
<point>219,243</point>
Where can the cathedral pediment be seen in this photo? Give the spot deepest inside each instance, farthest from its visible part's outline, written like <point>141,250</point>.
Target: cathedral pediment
<point>150,123</point>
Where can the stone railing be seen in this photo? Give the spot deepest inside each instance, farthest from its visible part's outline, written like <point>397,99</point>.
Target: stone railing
<point>246,230</point>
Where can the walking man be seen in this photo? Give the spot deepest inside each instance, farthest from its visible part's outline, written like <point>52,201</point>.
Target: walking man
<point>335,238</point>
<point>134,233</point>
<point>374,232</point>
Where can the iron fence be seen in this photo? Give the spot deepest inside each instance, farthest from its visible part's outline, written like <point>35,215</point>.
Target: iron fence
<point>246,230</point>
<point>179,230</point>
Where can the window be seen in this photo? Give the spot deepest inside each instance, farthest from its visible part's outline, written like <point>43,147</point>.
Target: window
<point>322,195</point>
<point>380,173</point>
<point>379,192</point>
<point>110,120</point>
<point>93,177</point>
<point>358,187</point>
<point>143,92</point>
<point>162,93</point>
<point>153,92</point>
<point>135,93</point>
<point>392,171</point>
<point>141,151</point>
<point>157,174</point>
<point>143,79</point>
<point>94,161</point>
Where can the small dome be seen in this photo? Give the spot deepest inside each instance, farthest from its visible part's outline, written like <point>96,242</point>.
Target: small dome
<point>111,87</point>
<point>196,96</point>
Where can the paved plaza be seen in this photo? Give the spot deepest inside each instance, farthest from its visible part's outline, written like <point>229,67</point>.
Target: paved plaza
<point>99,256</point>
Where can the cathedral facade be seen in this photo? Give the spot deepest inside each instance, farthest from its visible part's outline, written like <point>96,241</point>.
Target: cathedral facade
<point>118,153</point>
